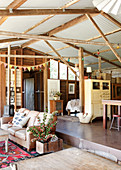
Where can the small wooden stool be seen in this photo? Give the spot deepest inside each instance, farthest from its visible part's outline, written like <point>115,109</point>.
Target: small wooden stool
<point>118,122</point>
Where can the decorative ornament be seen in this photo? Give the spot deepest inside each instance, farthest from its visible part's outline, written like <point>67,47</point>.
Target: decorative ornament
<point>5,65</point>
<point>15,67</point>
<point>44,64</point>
<point>68,59</point>
<point>75,65</point>
<point>59,61</point>
<point>98,52</point>
<point>29,68</point>
<point>117,46</point>
<point>32,68</point>
<point>82,59</point>
<point>40,70</point>
<point>10,66</point>
<point>24,68</point>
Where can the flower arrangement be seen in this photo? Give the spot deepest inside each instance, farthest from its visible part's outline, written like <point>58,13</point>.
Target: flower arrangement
<point>57,94</point>
<point>42,132</point>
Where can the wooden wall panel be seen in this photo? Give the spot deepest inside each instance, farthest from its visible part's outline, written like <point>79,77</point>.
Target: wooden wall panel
<point>27,61</point>
<point>64,90</point>
<point>19,62</point>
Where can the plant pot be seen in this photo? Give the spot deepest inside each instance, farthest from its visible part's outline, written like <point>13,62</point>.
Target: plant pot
<point>56,98</point>
<point>49,146</point>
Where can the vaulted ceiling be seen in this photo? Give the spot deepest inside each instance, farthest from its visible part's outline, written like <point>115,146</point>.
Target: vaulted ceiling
<point>66,26</point>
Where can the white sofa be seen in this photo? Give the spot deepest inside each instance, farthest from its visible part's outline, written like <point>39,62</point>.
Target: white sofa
<point>20,135</point>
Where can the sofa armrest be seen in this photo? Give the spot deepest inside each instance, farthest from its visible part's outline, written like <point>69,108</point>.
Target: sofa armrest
<point>29,137</point>
<point>5,120</point>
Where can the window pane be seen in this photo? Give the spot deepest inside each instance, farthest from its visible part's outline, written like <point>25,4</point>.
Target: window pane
<point>63,71</point>
<point>71,75</point>
<point>53,69</point>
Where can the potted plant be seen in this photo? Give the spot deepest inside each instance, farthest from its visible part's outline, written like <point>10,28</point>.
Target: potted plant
<point>57,95</point>
<point>43,133</point>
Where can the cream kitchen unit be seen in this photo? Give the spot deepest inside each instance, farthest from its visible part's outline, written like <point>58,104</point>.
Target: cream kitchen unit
<point>95,92</point>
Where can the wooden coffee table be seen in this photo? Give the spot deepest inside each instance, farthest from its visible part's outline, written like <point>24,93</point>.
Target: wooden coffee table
<point>4,136</point>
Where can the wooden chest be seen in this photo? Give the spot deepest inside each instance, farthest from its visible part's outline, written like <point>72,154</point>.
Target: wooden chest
<point>49,146</point>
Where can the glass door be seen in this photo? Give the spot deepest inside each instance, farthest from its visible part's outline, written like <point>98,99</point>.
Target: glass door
<point>96,85</point>
<point>105,86</point>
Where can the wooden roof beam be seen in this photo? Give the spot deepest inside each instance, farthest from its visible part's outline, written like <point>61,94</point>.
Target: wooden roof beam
<point>103,59</point>
<point>29,12</point>
<point>110,18</point>
<point>104,37</point>
<point>94,55</point>
<point>42,37</point>
<point>61,58</point>
<point>94,38</point>
<point>50,16</point>
<point>14,5</point>
<point>57,29</point>
<point>101,62</point>
<point>68,24</point>
<point>102,51</point>
<point>28,56</point>
<point>11,40</point>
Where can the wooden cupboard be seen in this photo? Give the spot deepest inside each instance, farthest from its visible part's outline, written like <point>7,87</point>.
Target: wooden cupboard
<point>116,91</point>
<point>56,105</point>
<point>116,95</point>
<point>95,92</point>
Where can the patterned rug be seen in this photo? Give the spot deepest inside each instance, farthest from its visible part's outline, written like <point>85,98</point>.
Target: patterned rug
<point>14,154</point>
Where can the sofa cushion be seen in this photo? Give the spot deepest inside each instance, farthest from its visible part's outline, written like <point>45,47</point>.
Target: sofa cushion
<point>21,121</point>
<point>17,116</point>
<point>21,134</point>
<point>22,110</point>
<point>32,115</point>
<point>6,126</point>
<point>13,129</point>
<point>26,112</point>
<point>41,116</point>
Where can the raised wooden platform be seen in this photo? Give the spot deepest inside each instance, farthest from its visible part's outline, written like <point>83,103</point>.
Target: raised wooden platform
<point>91,137</point>
<point>69,159</point>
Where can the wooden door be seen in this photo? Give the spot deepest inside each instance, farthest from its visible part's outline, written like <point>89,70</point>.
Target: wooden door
<point>29,93</point>
<point>39,92</point>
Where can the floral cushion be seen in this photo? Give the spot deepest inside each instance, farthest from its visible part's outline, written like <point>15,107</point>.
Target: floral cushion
<point>21,121</point>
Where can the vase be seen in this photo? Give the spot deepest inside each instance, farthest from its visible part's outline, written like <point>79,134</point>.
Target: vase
<point>49,146</point>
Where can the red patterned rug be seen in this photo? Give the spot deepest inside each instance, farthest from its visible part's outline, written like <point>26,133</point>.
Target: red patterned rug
<point>14,154</point>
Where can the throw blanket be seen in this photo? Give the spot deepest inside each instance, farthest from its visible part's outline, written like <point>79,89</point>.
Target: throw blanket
<point>73,105</point>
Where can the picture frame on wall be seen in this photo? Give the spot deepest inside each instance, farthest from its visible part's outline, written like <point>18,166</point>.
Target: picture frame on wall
<point>71,88</point>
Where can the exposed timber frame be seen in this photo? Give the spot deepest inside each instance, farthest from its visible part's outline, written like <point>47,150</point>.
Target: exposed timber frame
<point>104,37</point>
<point>29,12</point>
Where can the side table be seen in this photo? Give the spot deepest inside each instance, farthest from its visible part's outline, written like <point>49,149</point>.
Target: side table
<point>4,136</point>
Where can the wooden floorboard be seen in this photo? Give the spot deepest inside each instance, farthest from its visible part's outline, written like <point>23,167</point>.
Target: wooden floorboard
<point>68,159</point>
